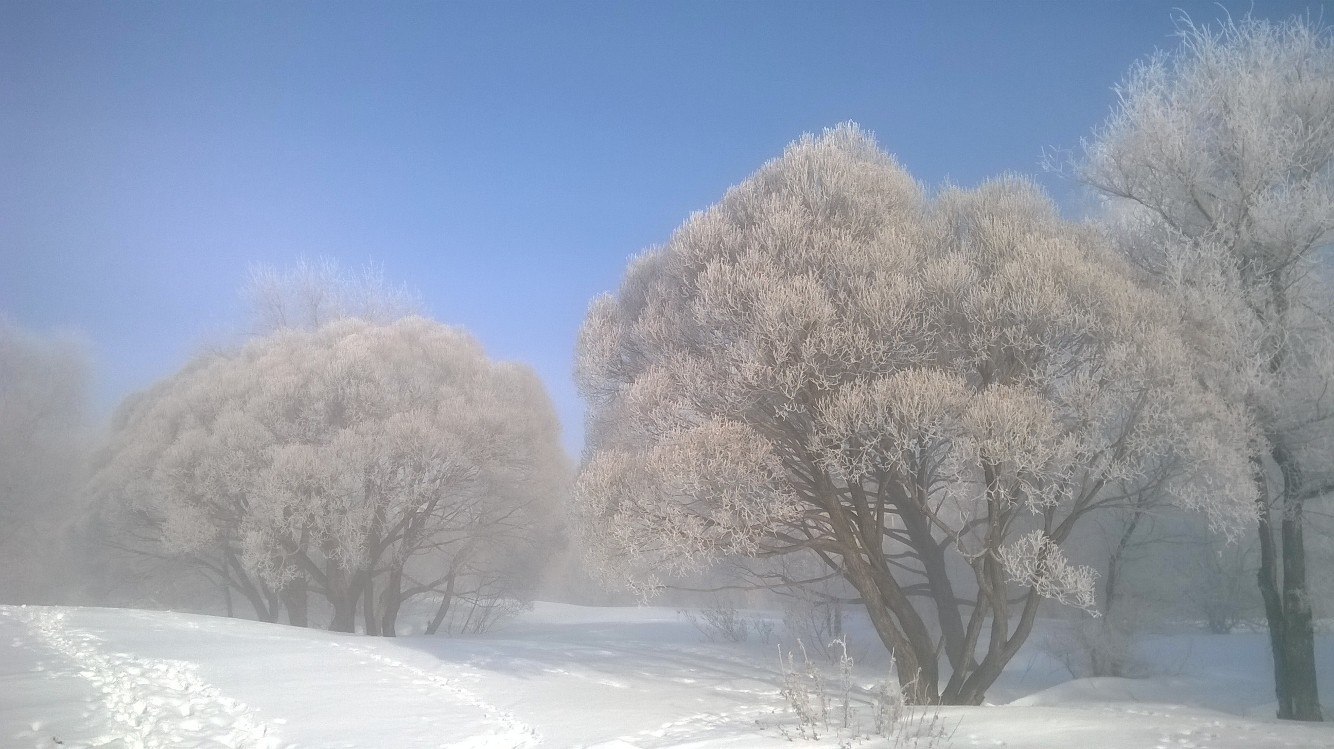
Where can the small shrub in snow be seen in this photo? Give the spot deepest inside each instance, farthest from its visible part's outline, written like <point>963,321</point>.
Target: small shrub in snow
<point>803,688</point>
<point>720,623</point>
<point>724,623</point>
<point>764,629</point>
<point>815,621</point>
<point>907,726</point>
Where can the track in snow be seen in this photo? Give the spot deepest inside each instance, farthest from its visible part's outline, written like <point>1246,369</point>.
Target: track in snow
<point>509,733</point>
<point>151,703</point>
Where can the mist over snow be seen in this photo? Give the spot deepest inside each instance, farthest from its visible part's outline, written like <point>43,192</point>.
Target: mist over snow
<point>667,375</point>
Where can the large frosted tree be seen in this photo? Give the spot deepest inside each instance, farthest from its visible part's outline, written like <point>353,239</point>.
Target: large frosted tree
<point>927,394</point>
<point>366,463</point>
<point>1218,166</point>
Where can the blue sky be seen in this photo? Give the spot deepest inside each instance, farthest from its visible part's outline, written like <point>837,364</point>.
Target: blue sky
<point>504,159</point>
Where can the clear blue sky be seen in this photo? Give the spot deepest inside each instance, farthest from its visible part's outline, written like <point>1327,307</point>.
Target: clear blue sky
<point>504,159</point>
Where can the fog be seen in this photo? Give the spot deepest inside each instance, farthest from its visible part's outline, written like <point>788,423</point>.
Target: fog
<point>808,429</point>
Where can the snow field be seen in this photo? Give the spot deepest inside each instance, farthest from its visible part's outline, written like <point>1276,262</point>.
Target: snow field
<point>509,731</point>
<point>153,703</point>
<point>563,676</point>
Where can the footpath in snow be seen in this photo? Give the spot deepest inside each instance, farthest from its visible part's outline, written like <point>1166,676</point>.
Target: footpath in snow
<point>133,701</point>
<point>121,678</point>
<point>560,676</point>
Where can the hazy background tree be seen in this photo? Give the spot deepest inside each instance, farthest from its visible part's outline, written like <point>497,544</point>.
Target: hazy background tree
<point>43,394</point>
<point>366,462</point>
<point>1218,165</point>
<point>313,292</point>
<point>829,362</point>
<point>1220,588</point>
<point>1159,570</point>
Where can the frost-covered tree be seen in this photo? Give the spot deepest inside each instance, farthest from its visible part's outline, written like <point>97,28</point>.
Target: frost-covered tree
<point>43,384</point>
<point>1220,581</point>
<point>366,463</point>
<point>1218,165</point>
<point>313,293</point>
<point>1155,564</point>
<point>830,362</point>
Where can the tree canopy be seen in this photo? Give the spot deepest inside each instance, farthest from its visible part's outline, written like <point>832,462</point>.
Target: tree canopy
<point>1218,170</point>
<point>344,457</point>
<point>928,392</point>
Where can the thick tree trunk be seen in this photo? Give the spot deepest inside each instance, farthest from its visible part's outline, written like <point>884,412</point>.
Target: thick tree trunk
<point>391,599</point>
<point>368,607</point>
<point>948,612</point>
<point>257,603</point>
<point>344,615</point>
<point>860,538</point>
<point>900,630</point>
<point>296,600</point>
<point>1267,577</point>
<point>255,594</point>
<point>1287,600</point>
<point>1299,630</point>
<point>274,602</point>
<point>345,595</point>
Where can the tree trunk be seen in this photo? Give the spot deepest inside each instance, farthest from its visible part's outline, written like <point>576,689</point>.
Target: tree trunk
<point>914,657</point>
<point>227,585</point>
<point>368,607</point>
<point>275,608</point>
<point>999,653</point>
<point>296,599</point>
<point>253,593</point>
<point>1267,577</point>
<point>1107,660</point>
<point>967,687</point>
<point>1109,589</point>
<point>345,594</point>
<point>441,612</point>
<point>1286,599</point>
<point>344,613</point>
<point>948,613</point>
<point>391,599</point>
<point>1299,631</point>
<point>256,602</point>
<point>900,628</point>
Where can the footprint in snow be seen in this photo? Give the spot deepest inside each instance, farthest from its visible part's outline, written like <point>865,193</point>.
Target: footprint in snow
<point>153,703</point>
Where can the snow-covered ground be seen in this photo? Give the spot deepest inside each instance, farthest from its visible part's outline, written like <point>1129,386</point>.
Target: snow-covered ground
<point>561,676</point>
